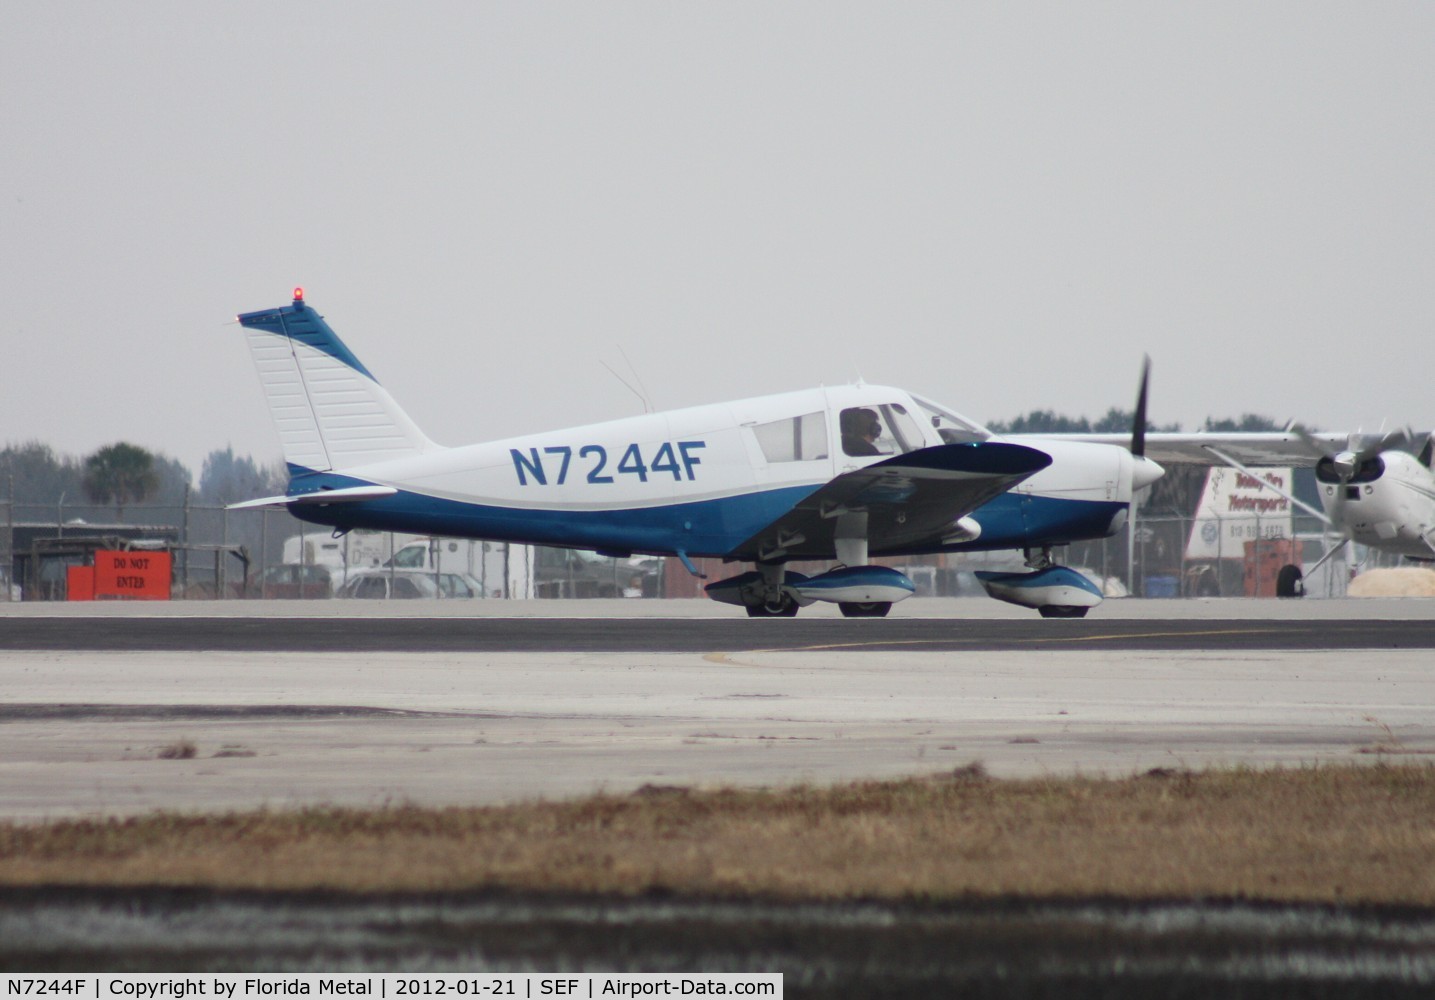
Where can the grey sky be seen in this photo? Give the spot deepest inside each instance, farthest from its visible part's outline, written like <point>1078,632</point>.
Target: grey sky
<point>1001,206</point>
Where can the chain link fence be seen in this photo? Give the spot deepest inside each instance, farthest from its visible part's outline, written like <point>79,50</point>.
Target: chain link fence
<point>221,553</point>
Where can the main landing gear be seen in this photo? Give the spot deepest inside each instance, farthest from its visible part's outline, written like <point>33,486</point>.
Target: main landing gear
<point>772,591</point>
<point>785,606</point>
<point>864,609</point>
<point>1054,591</point>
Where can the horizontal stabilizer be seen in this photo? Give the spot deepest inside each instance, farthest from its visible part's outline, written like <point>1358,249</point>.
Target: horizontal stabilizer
<point>349,494</point>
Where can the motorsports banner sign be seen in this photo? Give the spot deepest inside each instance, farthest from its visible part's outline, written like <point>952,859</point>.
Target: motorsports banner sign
<point>1237,508</point>
<point>150,986</point>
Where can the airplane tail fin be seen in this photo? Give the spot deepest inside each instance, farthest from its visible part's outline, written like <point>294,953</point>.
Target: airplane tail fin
<point>330,411</point>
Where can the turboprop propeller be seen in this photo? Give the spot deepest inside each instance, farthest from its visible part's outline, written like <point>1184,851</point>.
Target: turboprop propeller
<point>1346,463</point>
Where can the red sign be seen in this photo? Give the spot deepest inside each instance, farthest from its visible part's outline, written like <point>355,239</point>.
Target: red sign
<point>132,576</point>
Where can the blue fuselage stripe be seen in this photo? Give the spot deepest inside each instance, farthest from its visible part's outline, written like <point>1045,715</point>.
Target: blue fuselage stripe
<point>701,528</point>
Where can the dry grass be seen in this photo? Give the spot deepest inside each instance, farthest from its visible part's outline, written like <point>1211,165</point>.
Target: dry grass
<point>1397,581</point>
<point>1353,834</point>
<point>178,750</point>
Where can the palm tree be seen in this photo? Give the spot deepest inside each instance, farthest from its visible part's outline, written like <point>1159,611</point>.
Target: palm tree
<point>120,474</point>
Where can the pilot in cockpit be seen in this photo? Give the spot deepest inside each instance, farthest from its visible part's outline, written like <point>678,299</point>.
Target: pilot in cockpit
<point>860,430</point>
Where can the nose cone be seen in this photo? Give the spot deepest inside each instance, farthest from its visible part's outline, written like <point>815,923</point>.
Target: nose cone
<point>1144,472</point>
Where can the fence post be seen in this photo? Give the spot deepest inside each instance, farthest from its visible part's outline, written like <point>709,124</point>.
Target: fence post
<point>10,536</point>
<point>263,552</point>
<point>221,569</point>
<point>184,546</point>
<point>1131,549</point>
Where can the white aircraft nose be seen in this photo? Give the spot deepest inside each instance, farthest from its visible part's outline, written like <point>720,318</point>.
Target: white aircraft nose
<point>1144,472</point>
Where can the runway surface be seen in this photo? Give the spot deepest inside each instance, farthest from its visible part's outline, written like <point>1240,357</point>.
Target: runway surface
<point>682,635</point>
<point>326,702</point>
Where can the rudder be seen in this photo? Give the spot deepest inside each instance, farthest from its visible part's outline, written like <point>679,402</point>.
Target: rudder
<point>329,410</point>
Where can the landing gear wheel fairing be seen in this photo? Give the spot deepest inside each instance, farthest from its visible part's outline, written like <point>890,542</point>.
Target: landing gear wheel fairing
<point>865,609</point>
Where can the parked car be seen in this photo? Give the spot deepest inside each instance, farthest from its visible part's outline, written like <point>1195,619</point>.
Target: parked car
<point>375,585</point>
<point>292,580</point>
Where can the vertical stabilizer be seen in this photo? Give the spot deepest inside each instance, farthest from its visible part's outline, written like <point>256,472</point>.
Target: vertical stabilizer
<point>329,410</point>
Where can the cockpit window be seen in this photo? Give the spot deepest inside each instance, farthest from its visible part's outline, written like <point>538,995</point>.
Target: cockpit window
<point>796,439</point>
<point>884,429</point>
<point>1368,472</point>
<point>904,428</point>
<point>861,432</point>
<point>951,427</point>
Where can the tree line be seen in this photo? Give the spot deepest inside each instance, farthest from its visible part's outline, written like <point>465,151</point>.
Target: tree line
<point>1118,421</point>
<point>124,474</point>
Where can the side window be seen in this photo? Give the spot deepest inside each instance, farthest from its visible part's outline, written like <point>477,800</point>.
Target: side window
<point>404,587</point>
<point>410,557</point>
<point>863,433</point>
<point>454,586</point>
<point>879,430</point>
<point>371,587</point>
<point>796,439</point>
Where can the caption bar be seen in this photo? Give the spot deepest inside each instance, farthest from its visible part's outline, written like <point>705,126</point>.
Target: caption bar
<point>153,986</point>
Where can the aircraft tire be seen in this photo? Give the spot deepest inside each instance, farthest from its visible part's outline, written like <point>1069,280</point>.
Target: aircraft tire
<point>787,608</point>
<point>1062,611</point>
<point>1289,582</point>
<point>865,609</point>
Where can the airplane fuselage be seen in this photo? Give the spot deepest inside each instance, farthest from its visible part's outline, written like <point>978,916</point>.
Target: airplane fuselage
<point>705,479</point>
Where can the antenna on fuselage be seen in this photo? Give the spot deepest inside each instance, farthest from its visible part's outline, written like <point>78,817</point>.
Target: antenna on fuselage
<point>641,398</point>
<point>647,397</point>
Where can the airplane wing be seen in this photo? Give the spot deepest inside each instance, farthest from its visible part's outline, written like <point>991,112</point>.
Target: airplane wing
<point>1256,448</point>
<point>907,498</point>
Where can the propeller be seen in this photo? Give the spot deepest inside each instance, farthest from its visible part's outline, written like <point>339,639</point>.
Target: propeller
<point>1359,449</point>
<point>1144,472</point>
<point>1138,422</point>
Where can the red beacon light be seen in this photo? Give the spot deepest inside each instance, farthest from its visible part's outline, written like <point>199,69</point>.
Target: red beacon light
<point>298,295</point>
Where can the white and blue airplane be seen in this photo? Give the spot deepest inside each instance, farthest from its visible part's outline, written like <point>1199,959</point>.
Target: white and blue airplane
<point>846,474</point>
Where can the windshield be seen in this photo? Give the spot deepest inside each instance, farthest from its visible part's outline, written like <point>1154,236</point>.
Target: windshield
<point>953,428</point>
